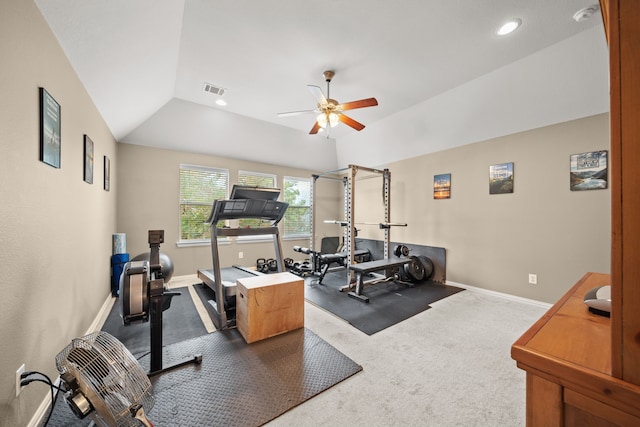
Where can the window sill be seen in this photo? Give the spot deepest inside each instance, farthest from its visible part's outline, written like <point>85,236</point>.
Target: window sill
<point>254,239</point>
<point>267,238</point>
<point>194,243</point>
<point>296,238</point>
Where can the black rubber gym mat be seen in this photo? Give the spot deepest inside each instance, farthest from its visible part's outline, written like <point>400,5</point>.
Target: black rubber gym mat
<point>238,384</point>
<point>389,303</point>
<point>180,322</point>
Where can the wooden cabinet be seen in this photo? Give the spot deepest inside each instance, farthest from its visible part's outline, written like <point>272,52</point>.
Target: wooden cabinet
<point>622,21</point>
<point>567,357</point>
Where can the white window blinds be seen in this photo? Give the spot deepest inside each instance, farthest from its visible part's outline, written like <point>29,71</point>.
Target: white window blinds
<point>199,187</point>
<point>297,218</point>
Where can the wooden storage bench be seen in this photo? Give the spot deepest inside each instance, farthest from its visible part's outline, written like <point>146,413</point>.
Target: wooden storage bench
<point>269,305</point>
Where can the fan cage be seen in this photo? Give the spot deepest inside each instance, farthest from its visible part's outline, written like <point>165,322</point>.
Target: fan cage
<point>109,377</point>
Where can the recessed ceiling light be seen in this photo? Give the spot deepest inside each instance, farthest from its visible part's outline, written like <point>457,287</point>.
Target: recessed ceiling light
<point>221,102</point>
<point>509,27</point>
<point>585,13</point>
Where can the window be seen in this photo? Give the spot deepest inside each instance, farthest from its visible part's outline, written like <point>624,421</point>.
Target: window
<point>255,179</point>
<point>297,218</point>
<point>199,187</point>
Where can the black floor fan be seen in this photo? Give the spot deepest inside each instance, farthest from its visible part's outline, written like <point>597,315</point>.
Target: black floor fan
<point>144,297</point>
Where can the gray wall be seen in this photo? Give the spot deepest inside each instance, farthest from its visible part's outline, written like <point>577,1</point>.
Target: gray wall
<point>56,229</point>
<point>495,241</point>
<point>148,198</point>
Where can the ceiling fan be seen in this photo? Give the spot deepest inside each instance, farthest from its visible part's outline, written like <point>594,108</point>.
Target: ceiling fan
<point>329,111</point>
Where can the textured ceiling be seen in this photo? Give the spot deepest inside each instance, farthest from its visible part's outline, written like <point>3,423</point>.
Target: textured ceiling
<point>134,57</point>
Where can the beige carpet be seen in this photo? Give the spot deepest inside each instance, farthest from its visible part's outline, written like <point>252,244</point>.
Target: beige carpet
<point>447,366</point>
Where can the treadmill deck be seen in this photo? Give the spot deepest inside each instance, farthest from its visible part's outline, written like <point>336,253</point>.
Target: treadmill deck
<point>229,277</point>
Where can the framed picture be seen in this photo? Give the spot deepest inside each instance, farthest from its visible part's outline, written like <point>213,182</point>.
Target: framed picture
<point>589,171</point>
<point>501,178</point>
<point>49,129</point>
<point>442,186</point>
<point>88,160</point>
<point>107,173</point>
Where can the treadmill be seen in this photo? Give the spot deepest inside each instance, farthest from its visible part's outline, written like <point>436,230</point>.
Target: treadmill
<point>244,202</point>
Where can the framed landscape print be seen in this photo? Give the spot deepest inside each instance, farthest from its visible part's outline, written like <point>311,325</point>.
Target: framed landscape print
<point>442,186</point>
<point>49,129</point>
<point>88,160</point>
<point>589,171</point>
<point>107,173</point>
<point>501,178</point>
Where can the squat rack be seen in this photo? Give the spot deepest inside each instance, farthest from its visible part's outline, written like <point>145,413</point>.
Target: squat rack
<point>349,182</point>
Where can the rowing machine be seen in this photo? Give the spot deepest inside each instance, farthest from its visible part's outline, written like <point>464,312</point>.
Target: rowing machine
<point>144,298</point>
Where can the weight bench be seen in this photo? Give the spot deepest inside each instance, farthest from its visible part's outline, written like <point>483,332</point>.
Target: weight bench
<point>322,261</point>
<point>370,267</point>
<point>325,260</point>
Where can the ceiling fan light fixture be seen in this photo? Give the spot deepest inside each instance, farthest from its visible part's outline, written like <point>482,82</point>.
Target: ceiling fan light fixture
<point>331,110</point>
<point>327,118</point>
<point>333,120</point>
<point>322,120</point>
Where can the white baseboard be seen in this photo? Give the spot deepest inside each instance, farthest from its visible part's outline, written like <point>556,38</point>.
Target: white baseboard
<point>500,294</point>
<point>102,315</point>
<point>43,410</point>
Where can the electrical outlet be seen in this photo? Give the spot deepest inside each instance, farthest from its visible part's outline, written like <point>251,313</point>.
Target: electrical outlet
<point>240,255</point>
<point>533,279</point>
<point>19,372</point>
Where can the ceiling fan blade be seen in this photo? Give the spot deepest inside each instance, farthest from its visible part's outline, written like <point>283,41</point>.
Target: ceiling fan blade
<point>296,113</point>
<point>317,94</point>
<point>369,102</point>
<point>350,122</point>
<point>314,129</point>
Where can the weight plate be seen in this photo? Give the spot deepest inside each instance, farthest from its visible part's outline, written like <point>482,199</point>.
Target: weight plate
<point>401,250</point>
<point>415,269</point>
<point>427,265</point>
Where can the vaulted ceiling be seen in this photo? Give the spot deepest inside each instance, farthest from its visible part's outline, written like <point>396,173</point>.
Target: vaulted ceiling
<point>145,62</point>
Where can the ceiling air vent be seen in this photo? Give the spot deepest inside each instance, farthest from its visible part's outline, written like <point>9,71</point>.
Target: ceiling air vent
<point>208,87</point>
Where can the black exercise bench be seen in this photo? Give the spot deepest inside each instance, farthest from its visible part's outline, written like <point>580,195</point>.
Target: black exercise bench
<point>370,267</point>
<point>322,261</point>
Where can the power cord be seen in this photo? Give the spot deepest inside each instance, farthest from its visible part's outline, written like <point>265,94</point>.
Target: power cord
<point>25,380</point>
<point>42,380</point>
